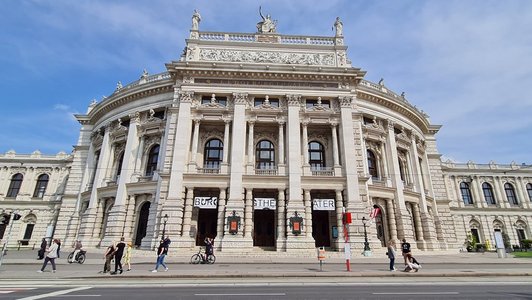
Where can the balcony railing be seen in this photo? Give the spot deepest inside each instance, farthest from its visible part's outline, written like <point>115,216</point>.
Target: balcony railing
<point>322,171</point>
<point>209,170</point>
<point>266,171</point>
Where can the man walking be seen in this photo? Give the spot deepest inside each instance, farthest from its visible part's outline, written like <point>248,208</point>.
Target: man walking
<point>118,256</point>
<point>162,251</point>
<point>405,249</point>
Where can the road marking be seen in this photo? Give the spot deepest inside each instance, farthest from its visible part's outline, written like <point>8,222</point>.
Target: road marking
<point>69,296</point>
<point>57,293</point>
<point>419,293</point>
<point>254,294</point>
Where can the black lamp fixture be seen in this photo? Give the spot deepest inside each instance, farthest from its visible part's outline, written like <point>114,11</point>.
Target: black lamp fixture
<point>165,219</point>
<point>367,249</point>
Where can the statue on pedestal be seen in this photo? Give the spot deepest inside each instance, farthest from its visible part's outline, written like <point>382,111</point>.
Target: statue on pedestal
<point>267,25</point>
<point>338,26</point>
<point>196,19</point>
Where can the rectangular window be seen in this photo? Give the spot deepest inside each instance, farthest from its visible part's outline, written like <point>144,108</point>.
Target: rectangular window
<point>29,231</point>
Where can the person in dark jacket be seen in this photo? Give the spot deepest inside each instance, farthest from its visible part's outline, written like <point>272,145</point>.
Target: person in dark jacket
<point>162,251</point>
<point>118,256</point>
<point>108,256</point>
<point>42,250</point>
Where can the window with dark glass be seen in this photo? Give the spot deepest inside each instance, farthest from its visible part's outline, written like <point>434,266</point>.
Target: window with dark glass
<point>271,101</point>
<point>529,191</point>
<point>213,154</point>
<point>316,102</point>
<point>159,114</point>
<point>119,167</point>
<point>510,194</point>
<point>14,186</point>
<point>214,99</point>
<point>40,187</point>
<point>466,193</point>
<point>316,154</point>
<point>487,190</point>
<point>402,170</point>
<point>265,155</point>
<point>153,157</point>
<point>372,165</point>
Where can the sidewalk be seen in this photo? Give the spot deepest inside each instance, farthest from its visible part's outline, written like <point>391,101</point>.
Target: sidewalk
<point>23,265</point>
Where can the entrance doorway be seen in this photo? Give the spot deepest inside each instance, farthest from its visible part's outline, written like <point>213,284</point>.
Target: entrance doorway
<point>379,222</point>
<point>142,223</point>
<point>207,219</point>
<point>264,228</point>
<point>320,228</point>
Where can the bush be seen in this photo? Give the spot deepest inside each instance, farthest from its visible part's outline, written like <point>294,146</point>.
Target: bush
<point>526,243</point>
<point>480,247</point>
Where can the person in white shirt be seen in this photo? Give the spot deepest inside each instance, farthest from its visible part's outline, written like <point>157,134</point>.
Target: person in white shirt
<point>52,254</point>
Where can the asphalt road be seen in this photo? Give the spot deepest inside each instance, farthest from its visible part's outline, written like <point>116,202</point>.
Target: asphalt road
<point>510,290</point>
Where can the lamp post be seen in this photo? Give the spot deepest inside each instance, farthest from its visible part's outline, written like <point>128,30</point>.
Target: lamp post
<point>165,219</point>
<point>367,249</point>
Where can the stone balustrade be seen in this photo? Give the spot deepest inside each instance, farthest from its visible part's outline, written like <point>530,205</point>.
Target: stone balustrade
<point>282,39</point>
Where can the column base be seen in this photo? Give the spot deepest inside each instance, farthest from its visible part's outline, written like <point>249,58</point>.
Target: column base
<point>236,243</point>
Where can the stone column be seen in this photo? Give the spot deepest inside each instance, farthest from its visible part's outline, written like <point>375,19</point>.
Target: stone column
<point>108,172</point>
<point>306,164</point>
<point>339,222</point>
<point>235,201</point>
<point>281,154</point>
<point>401,214</point>
<point>418,226</point>
<point>221,213</point>
<point>225,164</point>
<point>524,202</point>
<point>498,187</point>
<point>384,160</point>
<point>137,172</point>
<point>116,219</point>
<point>281,221</point>
<point>391,220</point>
<point>129,218</point>
<point>187,215</point>
<point>476,190</point>
<point>336,157</point>
<point>248,214</point>
<point>308,213</point>
<point>192,167</point>
<point>251,149</point>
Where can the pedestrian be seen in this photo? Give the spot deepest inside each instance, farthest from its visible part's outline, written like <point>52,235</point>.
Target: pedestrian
<point>42,250</point>
<point>391,254</point>
<point>127,256</point>
<point>412,264</point>
<point>77,247</point>
<point>53,253</point>
<point>119,252</point>
<point>405,249</point>
<point>108,256</point>
<point>209,244</point>
<point>162,251</point>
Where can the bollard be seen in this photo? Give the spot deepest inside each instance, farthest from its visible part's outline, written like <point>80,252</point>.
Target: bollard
<point>321,256</point>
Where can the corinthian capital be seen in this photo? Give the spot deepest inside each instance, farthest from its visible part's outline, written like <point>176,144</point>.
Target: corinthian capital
<point>240,98</point>
<point>345,101</point>
<point>293,100</point>
<point>391,125</point>
<point>186,96</point>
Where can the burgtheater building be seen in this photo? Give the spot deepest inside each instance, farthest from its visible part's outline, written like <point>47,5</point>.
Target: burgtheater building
<point>262,141</point>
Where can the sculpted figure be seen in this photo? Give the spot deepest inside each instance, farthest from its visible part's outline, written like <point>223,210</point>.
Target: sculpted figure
<point>196,19</point>
<point>267,24</point>
<point>338,26</point>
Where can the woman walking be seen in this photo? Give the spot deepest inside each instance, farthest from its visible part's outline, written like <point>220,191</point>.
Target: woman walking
<point>127,256</point>
<point>42,250</point>
<point>391,254</point>
<point>51,256</point>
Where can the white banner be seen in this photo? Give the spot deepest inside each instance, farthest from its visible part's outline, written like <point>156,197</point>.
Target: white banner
<point>206,202</point>
<point>323,204</point>
<point>264,203</point>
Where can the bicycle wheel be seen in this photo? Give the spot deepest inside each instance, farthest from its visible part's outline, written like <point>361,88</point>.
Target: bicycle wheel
<point>211,259</point>
<point>81,258</point>
<point>195,259</point>
<point>70,258</point>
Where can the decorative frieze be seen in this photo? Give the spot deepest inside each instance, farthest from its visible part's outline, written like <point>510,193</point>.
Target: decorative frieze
<point>248,56</point>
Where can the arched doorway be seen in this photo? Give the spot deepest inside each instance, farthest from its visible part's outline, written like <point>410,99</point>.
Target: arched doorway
<point>142,223</point>
<point>380,226</point>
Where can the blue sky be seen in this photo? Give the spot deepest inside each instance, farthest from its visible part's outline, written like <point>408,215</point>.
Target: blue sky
<point>468,64</point>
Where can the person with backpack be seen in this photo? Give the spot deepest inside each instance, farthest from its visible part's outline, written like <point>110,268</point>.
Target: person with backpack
<point>405,249</point>
<point>162,251</point>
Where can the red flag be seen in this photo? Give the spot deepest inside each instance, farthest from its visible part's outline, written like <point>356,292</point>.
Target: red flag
<point>374,212</point>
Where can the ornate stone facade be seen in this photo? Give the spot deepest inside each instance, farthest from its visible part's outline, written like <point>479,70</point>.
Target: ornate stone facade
<point>262,140</point>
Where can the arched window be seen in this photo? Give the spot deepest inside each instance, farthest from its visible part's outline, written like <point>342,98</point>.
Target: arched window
<point>119,166</point>
<point>213,154</point>
<point>40,187</point>
<point>529,191</point>
<point>488,193</point>
<point>466,193</point>
<point>153,157</point>
<point>510,194</point>
<point>372,165</point>
<point>265,155</point>
<point>316,154</point>
<point>14,186</point>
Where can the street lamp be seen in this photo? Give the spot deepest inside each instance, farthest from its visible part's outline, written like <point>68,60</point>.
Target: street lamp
<point>165,219</point>
<point>367,249</point>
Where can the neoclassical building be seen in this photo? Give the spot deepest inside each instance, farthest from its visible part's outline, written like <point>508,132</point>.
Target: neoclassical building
<point>263,141</point>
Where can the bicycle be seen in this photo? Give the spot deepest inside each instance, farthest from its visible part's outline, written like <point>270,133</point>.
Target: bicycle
<point>80,257</point>
<point>202,257</point>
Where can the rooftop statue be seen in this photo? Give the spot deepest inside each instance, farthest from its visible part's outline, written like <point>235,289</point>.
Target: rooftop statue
<point>267,25</point>
<point>196,19</point>
<point>338,26</point>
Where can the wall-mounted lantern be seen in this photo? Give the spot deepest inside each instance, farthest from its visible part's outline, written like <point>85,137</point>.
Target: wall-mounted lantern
<point>233,223</point>
<point>296,222</point>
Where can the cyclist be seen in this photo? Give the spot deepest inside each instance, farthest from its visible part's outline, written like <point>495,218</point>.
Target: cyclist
<point>209,244</point>
<point>77,248</point>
